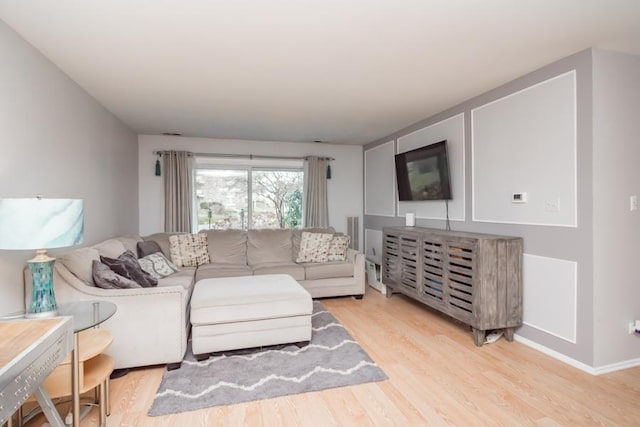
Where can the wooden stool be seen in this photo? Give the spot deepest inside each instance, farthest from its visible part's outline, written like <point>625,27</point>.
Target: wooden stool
<point>95,369</point>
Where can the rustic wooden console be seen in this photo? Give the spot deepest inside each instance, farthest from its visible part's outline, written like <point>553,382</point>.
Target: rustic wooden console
<point>474,278</point>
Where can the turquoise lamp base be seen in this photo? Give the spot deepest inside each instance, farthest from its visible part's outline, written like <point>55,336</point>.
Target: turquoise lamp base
<point>43,302</point>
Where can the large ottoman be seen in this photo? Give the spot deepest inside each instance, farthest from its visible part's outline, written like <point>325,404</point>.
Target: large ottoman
<point>230,313</point>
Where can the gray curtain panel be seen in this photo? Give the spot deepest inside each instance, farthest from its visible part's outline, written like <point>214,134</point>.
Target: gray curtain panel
<point>316,206</point>
<point>177,191</point>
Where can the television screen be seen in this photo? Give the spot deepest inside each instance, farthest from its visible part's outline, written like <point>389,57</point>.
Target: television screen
<point>423,173</point>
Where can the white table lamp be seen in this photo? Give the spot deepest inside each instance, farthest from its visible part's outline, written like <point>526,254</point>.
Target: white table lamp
<point>41,224</point>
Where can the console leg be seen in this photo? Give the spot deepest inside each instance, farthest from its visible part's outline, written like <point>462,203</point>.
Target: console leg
<point>388,292</point>
<point>358,296</point>
<point>478,337</point>
<point>508,333</point>
<point>301,344</point>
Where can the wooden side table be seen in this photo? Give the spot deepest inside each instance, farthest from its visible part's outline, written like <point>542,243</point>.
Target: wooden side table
<point>86,315</point>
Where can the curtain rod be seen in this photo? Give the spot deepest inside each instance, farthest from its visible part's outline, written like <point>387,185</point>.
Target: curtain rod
<point>244,156</point>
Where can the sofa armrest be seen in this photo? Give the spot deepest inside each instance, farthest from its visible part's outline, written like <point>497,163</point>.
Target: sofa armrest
<point>150,325</point>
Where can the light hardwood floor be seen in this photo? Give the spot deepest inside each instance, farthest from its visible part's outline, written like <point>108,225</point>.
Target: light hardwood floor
<point>436,377</point>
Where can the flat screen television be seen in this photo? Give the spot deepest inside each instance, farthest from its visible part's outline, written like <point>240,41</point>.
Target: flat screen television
<point>423,173</point>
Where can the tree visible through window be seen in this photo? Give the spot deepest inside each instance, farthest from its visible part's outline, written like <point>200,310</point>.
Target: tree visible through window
<point>223,198</point>
<point>275,199</point>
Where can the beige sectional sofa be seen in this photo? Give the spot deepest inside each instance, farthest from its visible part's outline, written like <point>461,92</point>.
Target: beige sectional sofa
<point>151,325</point>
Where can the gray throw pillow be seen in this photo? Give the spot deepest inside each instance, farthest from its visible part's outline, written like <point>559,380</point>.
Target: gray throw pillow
<point>106,278</point>
<point>148,247</point>
<point>127,265</point>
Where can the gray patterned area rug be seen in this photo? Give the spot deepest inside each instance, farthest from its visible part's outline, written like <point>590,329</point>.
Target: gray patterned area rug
<point>332,359</point>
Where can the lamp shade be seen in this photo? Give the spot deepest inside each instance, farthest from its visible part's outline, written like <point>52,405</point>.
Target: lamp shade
<point>40,223</point>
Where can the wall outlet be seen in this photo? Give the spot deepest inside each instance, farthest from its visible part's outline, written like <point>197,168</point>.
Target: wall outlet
<point>552,205</point>
<point>633,203</point>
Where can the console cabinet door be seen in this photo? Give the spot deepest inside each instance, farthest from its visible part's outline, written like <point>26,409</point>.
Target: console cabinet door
<point>433,289</point>
<point>461,267</point>
<point>391,260</point>
<point>409,259</point>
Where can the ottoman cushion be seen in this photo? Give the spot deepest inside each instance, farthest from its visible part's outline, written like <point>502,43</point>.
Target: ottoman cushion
<point>241,299</point>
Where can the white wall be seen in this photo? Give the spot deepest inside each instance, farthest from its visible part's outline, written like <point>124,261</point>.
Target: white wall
<point>616,229</point>
<point>344,187</point>
<point>526,143</point>
<point>59,142</point>
<point>380,178</point>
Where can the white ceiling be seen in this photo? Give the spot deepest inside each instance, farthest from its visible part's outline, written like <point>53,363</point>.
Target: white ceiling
<point>346,71</point>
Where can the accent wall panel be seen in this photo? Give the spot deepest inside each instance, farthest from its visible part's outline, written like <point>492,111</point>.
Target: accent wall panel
<point>380,180</point>
<point>451,129</point>
<point>550,295</point>
<point>526,143</point>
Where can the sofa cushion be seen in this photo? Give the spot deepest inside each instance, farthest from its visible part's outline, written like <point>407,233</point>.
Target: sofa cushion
<point>209,271</point>
<point>130,243</point>
<point>111,248</point>
<point>157,265</point>
<point>297,237</point>
<point>162,239</point>
<point>79,262</point>
<point>127,265</point>
<point>227,246</point>
<point>328,270</point>
<point>314,247</point>
<point>183,277</point>
<point>189,250</point>
<point>292,269</point>
<point>148,247</point>
<point>268,245</point>
<point>106,278</point>
<point>338,248</point>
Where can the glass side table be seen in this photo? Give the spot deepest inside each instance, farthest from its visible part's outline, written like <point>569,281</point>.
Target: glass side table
<point>86,315</point>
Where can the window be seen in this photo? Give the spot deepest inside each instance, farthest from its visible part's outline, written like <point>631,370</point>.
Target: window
<point>263,194</point>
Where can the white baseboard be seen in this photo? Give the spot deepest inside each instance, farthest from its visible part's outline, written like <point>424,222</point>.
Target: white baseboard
<point>575,363</point>
<point>617,366</point>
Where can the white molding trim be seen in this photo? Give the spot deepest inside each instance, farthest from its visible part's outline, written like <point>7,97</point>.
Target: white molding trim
<point>464,170</point>
<point>612,367</point>
<point>393,199</point>
<point>540,224</point>
<point>556,355</point>
<point>575,301</point>
<point>575,363</point>
<point>575,154</point>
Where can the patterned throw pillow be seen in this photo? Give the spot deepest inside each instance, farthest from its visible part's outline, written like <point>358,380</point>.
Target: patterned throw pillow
<point>189,250</point>
<point>314,247</point>
<point>338,248</point>
<point>157,265</point>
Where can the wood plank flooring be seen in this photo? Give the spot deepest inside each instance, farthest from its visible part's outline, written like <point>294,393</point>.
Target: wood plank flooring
<point>437,377</point>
